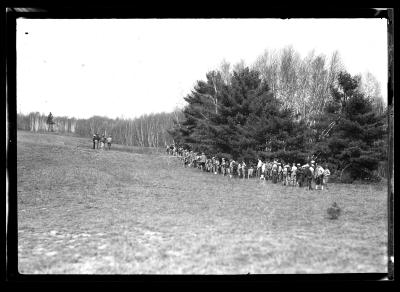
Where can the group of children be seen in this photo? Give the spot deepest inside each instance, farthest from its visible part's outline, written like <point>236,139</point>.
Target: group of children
<point>276,171</point>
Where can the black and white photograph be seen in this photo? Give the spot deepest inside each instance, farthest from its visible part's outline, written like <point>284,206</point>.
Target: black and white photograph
<point>202,146</point>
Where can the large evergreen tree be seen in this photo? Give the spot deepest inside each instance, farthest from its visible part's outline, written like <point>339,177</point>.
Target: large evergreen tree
<point>241,120</point>
<point>350,132</point>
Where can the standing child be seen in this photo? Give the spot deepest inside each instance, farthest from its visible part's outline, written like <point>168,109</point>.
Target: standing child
<point>250,171</point>
<point>217,166</point>
<point>284,174</point>
<point>308,175</point>
<point>231,168</point>
<point>274,172</point>
<point>259,165</point>
<point>325,180</point>
<point>319,174</point>
<point>102,141</point>
<point>279,172</point>
<point>293,174</point>
<point>263,167</point>
<point>243,169</point>
<point>299,175</point>
<point>109,139</point>
<point>223,167</point>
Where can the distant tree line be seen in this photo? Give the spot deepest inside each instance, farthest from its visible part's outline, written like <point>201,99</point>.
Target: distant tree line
<point>289,108</point>
<point>145,131</point>
<point>37,122</point>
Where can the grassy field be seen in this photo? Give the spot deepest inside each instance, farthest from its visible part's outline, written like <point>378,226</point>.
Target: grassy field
<point>135,211</point>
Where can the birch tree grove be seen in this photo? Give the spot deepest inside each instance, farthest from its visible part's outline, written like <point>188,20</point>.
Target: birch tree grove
<point>146,131</point>
<point>302,84</point>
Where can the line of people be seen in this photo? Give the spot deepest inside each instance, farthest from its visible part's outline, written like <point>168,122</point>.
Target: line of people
<point>294,174</point>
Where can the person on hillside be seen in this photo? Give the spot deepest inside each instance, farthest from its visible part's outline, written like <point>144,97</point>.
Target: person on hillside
<point>102,141</point>
<point>217,169</point>
<point>186,161</point>
<point>274,172</point>
<point>310,176</point>
<point>232,168</point>
<point>288,175</point>
<point>280,168</point>
<point>239,169</point>
<point>299,176</point>
<point>263,170</point>
<point>250,170</point>
<point>208,165</point>
<point>268,170</point>
<point>223,167</point>
<point>325,180</point>
<point>97,141</point>
<point>284,174</point>
<point>109,140</point>
<point>203,160</point>
<point>243,169</point>
<point>293,172</point>
<point>94,141</point>
<point>259,164</point>
<point>319,176</point>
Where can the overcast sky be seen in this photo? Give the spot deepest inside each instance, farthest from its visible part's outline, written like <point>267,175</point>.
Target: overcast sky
<point>126,68</point>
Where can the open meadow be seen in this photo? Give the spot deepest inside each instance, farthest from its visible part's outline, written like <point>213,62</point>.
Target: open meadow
<point>138,211</point>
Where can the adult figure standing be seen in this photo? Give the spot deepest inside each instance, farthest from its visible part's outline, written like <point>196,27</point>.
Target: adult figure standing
<point>94,141</point>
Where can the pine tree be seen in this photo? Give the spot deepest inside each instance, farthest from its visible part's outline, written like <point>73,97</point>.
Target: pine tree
<point>353,141</point>
<point>50,122</point>
<point>240,120</point>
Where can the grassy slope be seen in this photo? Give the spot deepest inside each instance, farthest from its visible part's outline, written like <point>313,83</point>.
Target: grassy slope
<point>90,211</point>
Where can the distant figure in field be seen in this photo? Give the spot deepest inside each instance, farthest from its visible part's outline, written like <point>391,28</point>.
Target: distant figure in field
<point>109,139</point>
<point>102,141</point>
<point>96,139</point>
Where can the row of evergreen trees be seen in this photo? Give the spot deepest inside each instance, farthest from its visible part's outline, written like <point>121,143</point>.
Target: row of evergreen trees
<point>243,119</point>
